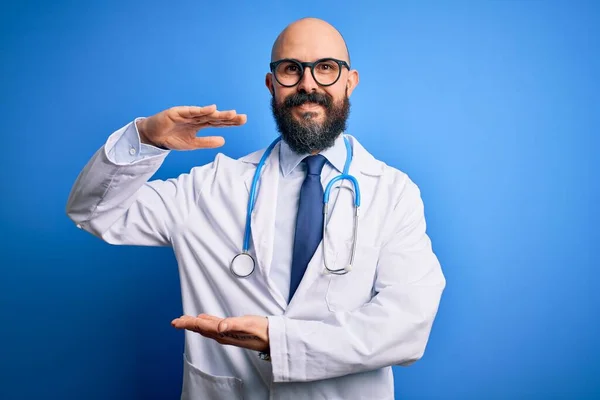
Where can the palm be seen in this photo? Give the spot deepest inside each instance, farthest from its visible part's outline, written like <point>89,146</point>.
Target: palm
<point>177,127</point>
<point>249,331</point>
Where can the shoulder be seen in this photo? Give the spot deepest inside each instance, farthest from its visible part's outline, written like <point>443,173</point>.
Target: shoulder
<point>225,166</point>
<point>399,195</point>
<point>392,179</point>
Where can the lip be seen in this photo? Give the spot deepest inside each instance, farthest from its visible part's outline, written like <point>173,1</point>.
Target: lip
<point>309,107</point>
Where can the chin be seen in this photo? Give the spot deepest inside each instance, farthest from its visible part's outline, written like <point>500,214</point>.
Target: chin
<point>309,116</point>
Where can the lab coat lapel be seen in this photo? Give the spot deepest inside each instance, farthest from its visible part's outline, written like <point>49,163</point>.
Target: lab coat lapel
<point>339,229</point>
<point>341,205</point>
<point>341,215</point>
<point>364,168</point>
<point>316,266</point>
<point>263,216</point>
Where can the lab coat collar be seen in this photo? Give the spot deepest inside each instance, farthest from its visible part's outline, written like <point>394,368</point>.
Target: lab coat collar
<point>363,160</point>
<point>263,217</point>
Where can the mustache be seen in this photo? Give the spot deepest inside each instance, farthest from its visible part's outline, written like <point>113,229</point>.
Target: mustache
<point>297,99</point>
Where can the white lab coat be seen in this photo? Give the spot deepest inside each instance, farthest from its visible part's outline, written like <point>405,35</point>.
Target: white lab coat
<point>340,335</point>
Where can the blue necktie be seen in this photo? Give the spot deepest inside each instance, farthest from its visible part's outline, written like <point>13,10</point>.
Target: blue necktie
<point>309,223</point>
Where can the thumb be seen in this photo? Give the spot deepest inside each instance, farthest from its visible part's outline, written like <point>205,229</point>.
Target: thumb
<point>207,142</point>
<point>223,326</point>
<point>231,324</point>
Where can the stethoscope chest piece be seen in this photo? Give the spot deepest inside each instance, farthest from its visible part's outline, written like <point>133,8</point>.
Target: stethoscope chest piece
<point>242,265</point>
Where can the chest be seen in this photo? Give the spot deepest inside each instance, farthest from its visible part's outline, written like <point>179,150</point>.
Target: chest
<point>214,234</point>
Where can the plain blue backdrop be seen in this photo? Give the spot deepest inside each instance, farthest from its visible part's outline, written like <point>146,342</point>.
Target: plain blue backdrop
<point>492,107</point>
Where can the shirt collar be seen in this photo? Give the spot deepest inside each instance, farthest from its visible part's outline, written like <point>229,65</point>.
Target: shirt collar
<point>335,155</point>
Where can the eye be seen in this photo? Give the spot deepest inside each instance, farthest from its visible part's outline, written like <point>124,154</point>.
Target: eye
<point>327,67</point>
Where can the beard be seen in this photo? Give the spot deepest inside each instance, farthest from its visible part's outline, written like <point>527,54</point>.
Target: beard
<point>307,135</point>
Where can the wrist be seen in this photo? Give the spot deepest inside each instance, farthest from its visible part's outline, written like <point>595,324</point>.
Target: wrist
<point>141,129</point>
<point>140,125</point>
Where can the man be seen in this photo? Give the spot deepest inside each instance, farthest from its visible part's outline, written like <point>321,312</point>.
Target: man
<point>288,330</point>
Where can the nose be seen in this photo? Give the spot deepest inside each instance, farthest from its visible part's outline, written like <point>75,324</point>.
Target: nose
<point>307,83</point>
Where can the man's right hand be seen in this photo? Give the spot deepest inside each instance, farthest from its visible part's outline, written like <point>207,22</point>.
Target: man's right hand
<point>176,128</point>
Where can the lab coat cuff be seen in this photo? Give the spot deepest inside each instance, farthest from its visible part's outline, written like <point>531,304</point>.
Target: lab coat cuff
<point>280,357</point>
<point>124,146</point>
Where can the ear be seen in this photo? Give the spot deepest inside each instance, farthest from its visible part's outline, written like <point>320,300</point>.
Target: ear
<point>352,81</point>
<point>269,83</point>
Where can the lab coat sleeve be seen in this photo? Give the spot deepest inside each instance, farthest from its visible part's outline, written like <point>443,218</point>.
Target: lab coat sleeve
<point>127,148</point>
<point>113,199</point>
<point>392,329</point>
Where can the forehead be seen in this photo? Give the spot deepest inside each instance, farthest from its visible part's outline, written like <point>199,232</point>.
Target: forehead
<point>310,46</point>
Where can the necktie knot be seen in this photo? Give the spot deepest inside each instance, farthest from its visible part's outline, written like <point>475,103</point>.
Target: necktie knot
<point>315,164</point>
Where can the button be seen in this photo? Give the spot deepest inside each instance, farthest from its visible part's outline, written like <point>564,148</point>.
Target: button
<point>132,151</point>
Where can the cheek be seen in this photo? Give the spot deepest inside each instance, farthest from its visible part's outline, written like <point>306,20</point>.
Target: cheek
<point>337,92</point>
<point>338,98</point>
<point>281,94</point>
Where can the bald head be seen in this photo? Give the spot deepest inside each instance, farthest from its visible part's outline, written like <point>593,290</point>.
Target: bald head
<point>309,39</point>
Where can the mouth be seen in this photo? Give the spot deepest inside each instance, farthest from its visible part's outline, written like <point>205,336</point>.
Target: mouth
<point>309,107</point>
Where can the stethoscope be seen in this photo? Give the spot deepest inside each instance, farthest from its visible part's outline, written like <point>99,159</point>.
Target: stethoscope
<point>243,264</point>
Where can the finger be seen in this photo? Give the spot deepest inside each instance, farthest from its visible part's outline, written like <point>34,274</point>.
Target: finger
<point>239,324</point>
<point>207,142</point>
<point>181,322</point>
<point>222,116</point>
<point>239,119</point>
<point>194,111</point>
<point>219,123</point>
<point>195,324</point>
<point>206,326</point>
<point>209,317</point>
<point>214,116</point>
<point>219,114</point>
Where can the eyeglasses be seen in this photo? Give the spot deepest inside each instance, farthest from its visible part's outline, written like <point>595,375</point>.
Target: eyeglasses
<point>326,71</point>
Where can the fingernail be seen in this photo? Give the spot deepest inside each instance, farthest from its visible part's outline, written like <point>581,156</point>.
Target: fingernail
<point>223,327</point>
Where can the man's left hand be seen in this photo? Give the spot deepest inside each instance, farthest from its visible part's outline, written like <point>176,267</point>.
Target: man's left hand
<point>250,331</point>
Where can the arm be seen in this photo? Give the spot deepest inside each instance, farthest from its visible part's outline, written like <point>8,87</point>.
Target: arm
<point>112,197</point>
<point>392,329</point>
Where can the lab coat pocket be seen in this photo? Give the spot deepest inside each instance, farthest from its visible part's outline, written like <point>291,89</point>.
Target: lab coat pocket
<point>354,289</point>
<point>198,384</point>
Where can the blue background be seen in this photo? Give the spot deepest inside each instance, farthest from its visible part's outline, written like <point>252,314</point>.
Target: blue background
<point>492,107</point>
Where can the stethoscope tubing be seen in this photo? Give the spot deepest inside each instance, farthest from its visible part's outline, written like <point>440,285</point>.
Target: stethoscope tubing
<point>252,200</point>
